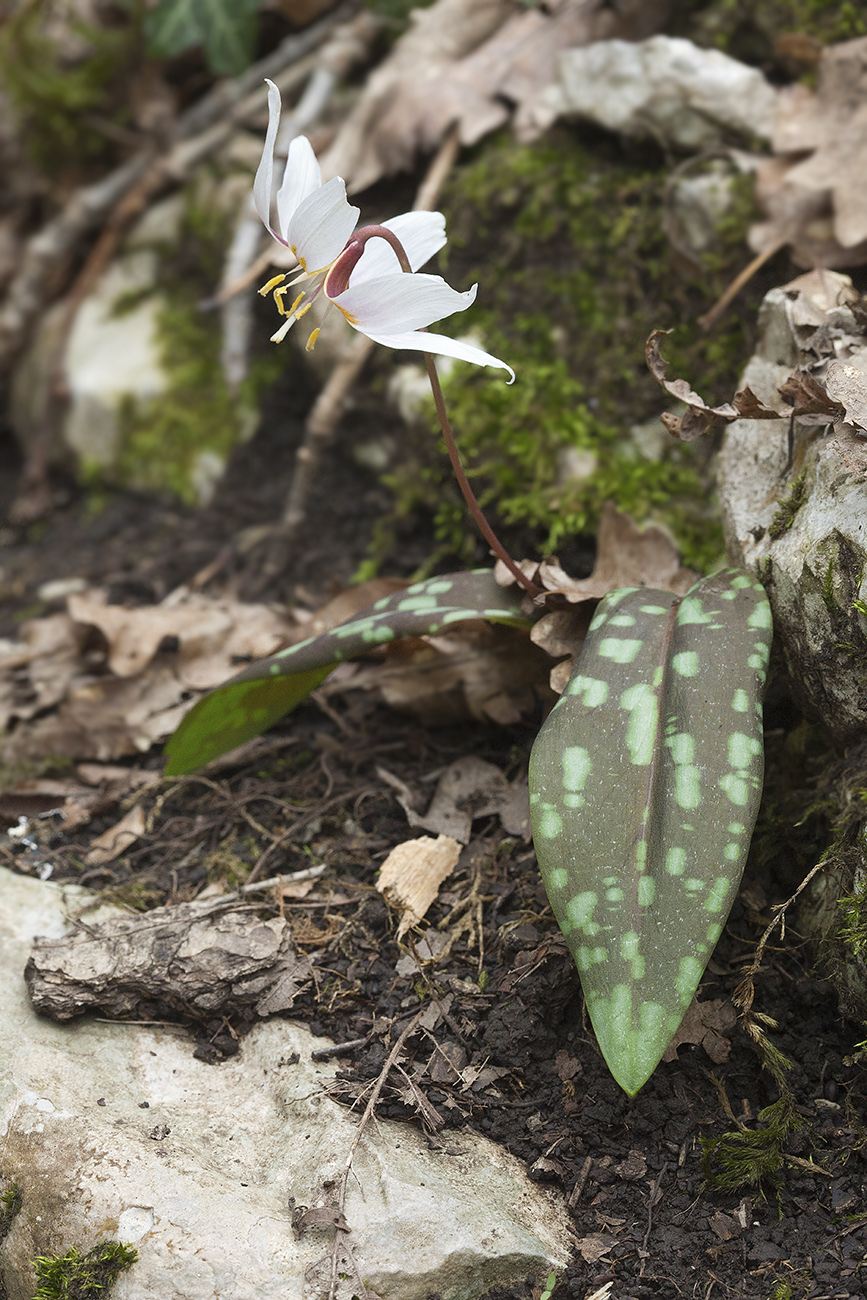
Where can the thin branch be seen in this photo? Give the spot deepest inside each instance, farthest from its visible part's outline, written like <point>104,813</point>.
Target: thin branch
<point>341,1234</point>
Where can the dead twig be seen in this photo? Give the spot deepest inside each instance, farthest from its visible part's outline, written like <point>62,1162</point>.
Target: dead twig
<point>340,1246</point>
<point>710,318</point>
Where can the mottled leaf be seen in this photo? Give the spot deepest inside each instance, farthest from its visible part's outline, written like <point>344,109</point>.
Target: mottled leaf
<point>260,695</point>
<point>226,29</point>
<point>645,784</point>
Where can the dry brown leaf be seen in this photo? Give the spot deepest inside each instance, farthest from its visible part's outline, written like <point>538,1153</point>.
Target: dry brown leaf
<point>478,671</point>
<point>818,204</point>
<point>117,839</point>
<point>627,556</point>
<point>105,681</point>
<point>633,1168</point>
<point>464,64</point>
<point>700,417</point>
<point>212,636</point>
<point>412,873</point>
<point>707,1023</point>
<point>595,1246</point>
<point>468,788</point>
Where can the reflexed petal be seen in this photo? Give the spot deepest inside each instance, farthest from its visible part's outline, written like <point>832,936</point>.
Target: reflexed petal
<point>421,233</point>
<point>418,341</point>
<point>392,304</point>
<point>301,178</point>
<point>265,171</point>
<point>321,225</point>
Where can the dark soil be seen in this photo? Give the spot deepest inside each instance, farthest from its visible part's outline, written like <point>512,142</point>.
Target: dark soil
<point>662,1205</point>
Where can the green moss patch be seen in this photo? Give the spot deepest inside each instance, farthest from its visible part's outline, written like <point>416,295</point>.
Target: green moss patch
<point>567,241</point>
<point>184,435</point>
<point>74,1276</point>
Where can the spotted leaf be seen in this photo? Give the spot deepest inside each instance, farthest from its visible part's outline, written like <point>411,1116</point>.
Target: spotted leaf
<point>645,783</point>
<point>260,695</point>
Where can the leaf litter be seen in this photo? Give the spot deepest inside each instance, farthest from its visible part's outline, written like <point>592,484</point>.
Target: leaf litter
<point>494,1046</point>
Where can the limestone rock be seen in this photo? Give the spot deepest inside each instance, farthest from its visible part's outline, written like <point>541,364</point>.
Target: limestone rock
<point>115,1131</point>
<point>665,88</point>
<point>795,512</point>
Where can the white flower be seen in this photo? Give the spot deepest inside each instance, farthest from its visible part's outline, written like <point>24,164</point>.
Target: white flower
<point>361,274</point>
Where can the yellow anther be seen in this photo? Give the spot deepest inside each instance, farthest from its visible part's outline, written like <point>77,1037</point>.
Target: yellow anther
<point>305,308</point>
<point>311,342</point>
<point>278,298</point>
<point>272,283</point>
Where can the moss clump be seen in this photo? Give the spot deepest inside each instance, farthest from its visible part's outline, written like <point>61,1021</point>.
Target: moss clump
<point>784,515</point>
<point>750,1157</point>
<point>58,98</point>
<point>566,240</point>
<point>10,1203</point>
<point>179,440</point>
<point>82,1277</point>
<point>750,29</point>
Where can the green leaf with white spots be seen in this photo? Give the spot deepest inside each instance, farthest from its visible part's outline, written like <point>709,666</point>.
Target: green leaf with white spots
<point>259,696</point>
<point>645,783</point>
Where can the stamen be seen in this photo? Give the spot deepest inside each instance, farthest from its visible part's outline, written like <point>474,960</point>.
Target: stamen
<point>278,298</point>
<point>275,280</point>
<point>303,310</point>
<point>311,342</point>
<point>283,330</point>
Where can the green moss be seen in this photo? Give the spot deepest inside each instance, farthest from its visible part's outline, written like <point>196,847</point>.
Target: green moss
<point>135,894</point>
<point>10,1203</point>
<point>58,98</point>
<point>749,1157</point>
<point>82,1277</point>
<point>188,430</point>
<point>784,515</point>
<point>225,866</point>
<point>750,29</point>
<point>567,243</point>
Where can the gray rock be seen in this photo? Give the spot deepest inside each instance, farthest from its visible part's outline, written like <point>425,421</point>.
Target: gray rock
<point>665,88</point>
<point>796,514</point>
<point>115,1131</point>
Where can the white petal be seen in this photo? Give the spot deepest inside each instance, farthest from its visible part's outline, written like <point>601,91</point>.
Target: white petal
<point>418,341</point>
<point>421,233</point>
<point>301,178</point>
<point>321,225</point>
<point>392,304</point>
<point>265,171</point>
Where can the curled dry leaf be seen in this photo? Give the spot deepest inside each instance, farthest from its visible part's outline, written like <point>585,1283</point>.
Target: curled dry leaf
<point>412,873</point>
<point>468,788</point>
<point>700,417</point>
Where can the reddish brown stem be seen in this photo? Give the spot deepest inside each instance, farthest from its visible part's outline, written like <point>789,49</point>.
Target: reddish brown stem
<point>382,232</point>
<point>464,484</point>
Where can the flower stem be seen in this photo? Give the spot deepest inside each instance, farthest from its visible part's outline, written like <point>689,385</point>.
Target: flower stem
<point>464,484</point>
<point>356,244</point>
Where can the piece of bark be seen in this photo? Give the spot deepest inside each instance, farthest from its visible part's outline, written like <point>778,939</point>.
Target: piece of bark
<point>172,963</point>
